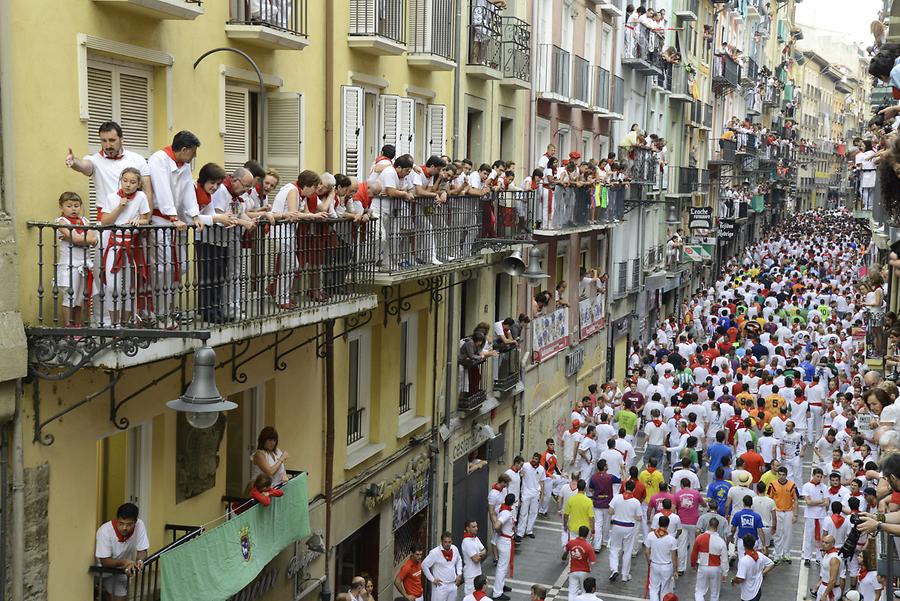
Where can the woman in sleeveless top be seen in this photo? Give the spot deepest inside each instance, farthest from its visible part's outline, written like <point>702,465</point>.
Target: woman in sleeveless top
<point>268,458</point>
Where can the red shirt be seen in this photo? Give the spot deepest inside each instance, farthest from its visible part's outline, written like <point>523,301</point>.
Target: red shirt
<point>640,491</point>
<point>753,463</point>
<point>411,575</point>
<point>581,555</point>
<point>733,424</point>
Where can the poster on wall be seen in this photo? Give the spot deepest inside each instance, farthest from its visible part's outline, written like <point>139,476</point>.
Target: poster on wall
<point>593,314</point>
<point>410,499</point>
<point>550,334</point>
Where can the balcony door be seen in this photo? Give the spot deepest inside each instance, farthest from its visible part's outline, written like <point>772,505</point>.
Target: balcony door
<point>545,22</point>
<point>590,38</point>
<point>242,430</point>
<point>568,27</point>
<point>124,462</point>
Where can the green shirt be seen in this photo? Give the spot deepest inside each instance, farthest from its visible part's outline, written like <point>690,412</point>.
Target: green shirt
<point>627,420</point>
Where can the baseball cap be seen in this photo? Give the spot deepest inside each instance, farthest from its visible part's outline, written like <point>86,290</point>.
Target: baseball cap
<point>575,155</point>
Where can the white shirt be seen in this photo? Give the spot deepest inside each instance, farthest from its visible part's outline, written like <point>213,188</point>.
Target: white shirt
<point>814,492</point>
<point>752,573</point>
<point>868,585</point>
<point>661,549</point>
<point>389,178</point>
<point>515,483</point>
<point>764,506</point>
<point>683,473</point>
<point>107,171</point>
<point>471,546</point>
<point>109,547</point>
<point>531,480</point>
<point>173,187</point>
<point>839,533</point>
<point>626,510</point>
<point>136,207</point>
<point>615,462</point>
<point>656,435</point>
<point>436,567</point>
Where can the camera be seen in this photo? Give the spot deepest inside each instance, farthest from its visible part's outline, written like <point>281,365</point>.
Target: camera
<point>878,119</point>
<point>848,549</point>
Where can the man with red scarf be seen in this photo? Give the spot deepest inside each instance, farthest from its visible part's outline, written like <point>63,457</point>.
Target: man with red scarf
<point>121,543</point>
<point>443,569</point>
<point>814,494</point>
<point>504,523</point>
<point>478,584</point>
<point>752,566</point>
<point>473,553</point>
<point>829,587</point>
<point>660,549</point>
<point>626,515</point>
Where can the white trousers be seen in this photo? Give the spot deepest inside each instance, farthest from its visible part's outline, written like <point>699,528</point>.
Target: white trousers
<point>287,265</point>
<point>504,548</point>
<point>784,527</point>
<point>810,544</point>
<point>795,469</point>
<point>709,580</point>
<point>660,581</point>
<point>685,543</point>
<point>552,487</point>
<point>835,593</point>
<point>621,542</point>
<point>815,425</point>
<point>576,584</point>
<point>527,515</point>
<point>469,584</point>
<point>601,526</point>
<point>445,592</point>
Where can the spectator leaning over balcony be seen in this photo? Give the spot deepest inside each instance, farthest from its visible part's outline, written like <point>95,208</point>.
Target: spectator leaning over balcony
<point>545,158</point>
<point>233,197</point>
<point>209,247</point>
<point>121,543</point>
<point>255,193</point>
<point>550,174</point>
<point>397,188</point>
<point>560,295</point>
<point>268,459</point>
<point>175,204</point>
<point>75,261</point>
<point>428,186</point>
<point>382,162</point>
<point>123,263</point>
<point>287,207</point>
<point>631,21</point>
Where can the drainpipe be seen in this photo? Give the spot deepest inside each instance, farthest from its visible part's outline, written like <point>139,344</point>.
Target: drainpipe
<point>457,86</point>
<point>329,88</point>
<point>435,432</point>
<point>18,504</point>
<point>532,110</point>
<point>4,497</point>
<point>448,393</point>
<point>325,595</point>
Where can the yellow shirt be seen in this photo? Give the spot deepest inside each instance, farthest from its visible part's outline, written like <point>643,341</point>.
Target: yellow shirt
<point>580,510</point>
<point>768,478</point>
<point>651,481</point>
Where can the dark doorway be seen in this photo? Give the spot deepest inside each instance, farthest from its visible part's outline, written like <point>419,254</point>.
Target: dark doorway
<point>469,492</point>
<point>358,555</point>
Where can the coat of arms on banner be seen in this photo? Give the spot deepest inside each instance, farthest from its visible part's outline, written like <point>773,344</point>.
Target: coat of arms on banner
<point>245,543</point>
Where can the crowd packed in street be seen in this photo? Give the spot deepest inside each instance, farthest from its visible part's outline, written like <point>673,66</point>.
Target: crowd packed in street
<point>698,457</point>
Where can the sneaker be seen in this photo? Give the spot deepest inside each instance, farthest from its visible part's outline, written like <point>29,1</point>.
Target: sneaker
<point>518,539</point>
<point>786,559</point>
<point>776,561</point>
<point>805,563</point>
<point>531,535</point>
<point>436,261</point>
<point>626,578</point>
<point>613,576</point>
<point>507,589</point>
<point>503,597</point>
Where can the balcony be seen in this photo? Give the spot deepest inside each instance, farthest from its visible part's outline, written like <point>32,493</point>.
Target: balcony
<point>707,115</point>
<point>770,95</point>
<point>726,152</point>
<point>516,54</point>
<point>700,115</point>
<point>553,73</point>
<point>750,73</point>
<point>577,209</point>
<point>642,48</point>
<point>726,72</point>
<point>654,258</point>
<point>663,80</point>
<point>746,144</point>
<point>274,24</point>
<point>618,98</point>
<point>485,41</point>
<point>182,10</point>
<point>754,101</point>
<point>506,368</point>
<point>432,36</point>
<point>592,314</point>
<point>681,89</point>
<point>600,103</point>
<point>549,334</point>
<point>378,27</point>
<point>689,10</point>
<point>153,284</point>
<point>427,236</point>
<point>581,82</point>
<point>472,391</point>
<point>641,165</point>
<point>614,7</point>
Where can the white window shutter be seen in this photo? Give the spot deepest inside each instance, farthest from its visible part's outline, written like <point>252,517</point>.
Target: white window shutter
<point>362,17</point>
<point>237,128</point>
<point>352,131</point>
<point>388,124</point>
<point>284,135</point>
<point>100,100</point>
<point>436,119</point>
<point>134,110</point>
<point>406,128</point>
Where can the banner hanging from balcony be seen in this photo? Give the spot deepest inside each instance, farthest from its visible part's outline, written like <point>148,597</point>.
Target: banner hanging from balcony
<point>221,562</point>
<point>593,314</point>
<point>550,334</point>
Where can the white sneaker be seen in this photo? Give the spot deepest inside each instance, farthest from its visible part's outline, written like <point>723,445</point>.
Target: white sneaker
<point>435,261</point>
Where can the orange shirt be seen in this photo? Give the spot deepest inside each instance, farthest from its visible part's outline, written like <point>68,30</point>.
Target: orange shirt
<point>411,575</point>
<point>785,495</point>
<point>753,463</point>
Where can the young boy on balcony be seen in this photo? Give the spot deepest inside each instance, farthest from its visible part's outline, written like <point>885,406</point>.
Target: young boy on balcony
<point>75,258</point>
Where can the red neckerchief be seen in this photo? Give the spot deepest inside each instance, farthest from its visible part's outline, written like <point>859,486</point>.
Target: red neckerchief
<point>76,221</point>
<point>467,535</point>
<point>227,183</point>
<point>862,573</point>
<point>573,430</point>
<point>122,194</point>
<point>448,555</point>
<point>505,507</point>
<point>627,495</point>
<point>666,512</point>
<point>168,150</point>
<point>650,469</point>
<point>831,550</point>
<point>856,494</point>
<point>106,156</point>
<point>513,468</point>
<point>535,185</point>
<point>498,487</point>
<point>203,198</point>
<point>479,595</point>
<point>119,536</point>
<point>657,422</point>
<point>833,490</point>
<point>660,532</point>
<point>752,553</point>
<point>691,426</point>
<point>380,158</point>
<point>837,519</point>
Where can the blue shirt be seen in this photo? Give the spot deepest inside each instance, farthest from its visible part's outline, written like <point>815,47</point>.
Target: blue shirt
<point>716,452</point>
<point>718,490</point>
<point>747,522</point>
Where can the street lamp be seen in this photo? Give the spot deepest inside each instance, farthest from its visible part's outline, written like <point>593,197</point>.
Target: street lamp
<point>533,273</point>
<point>201,402</point>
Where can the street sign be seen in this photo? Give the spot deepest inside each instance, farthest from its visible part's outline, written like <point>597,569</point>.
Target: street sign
<point>697,252</point>
<point>726,229</point>
<point>700,218</point>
